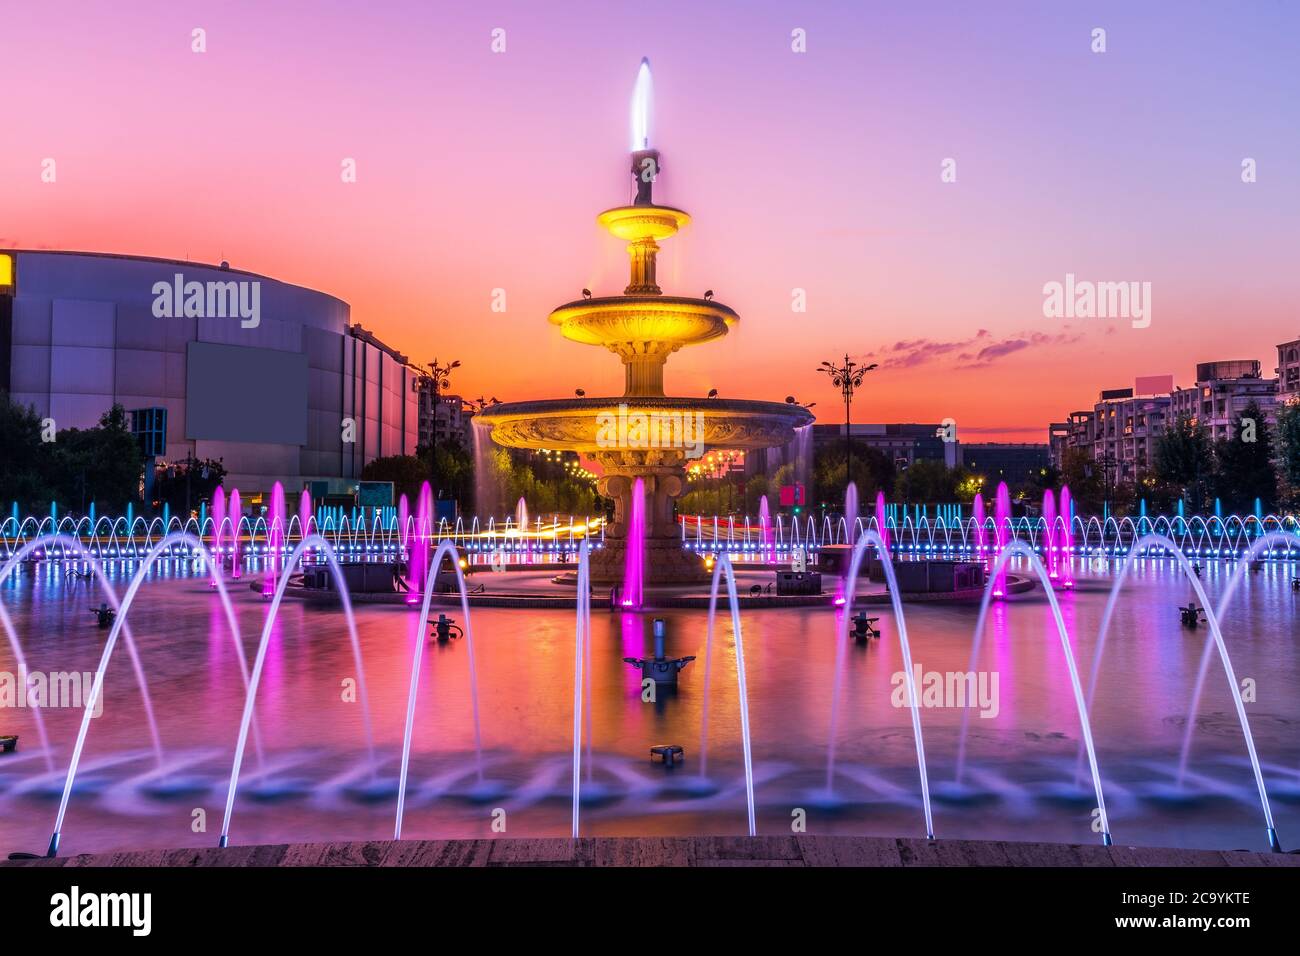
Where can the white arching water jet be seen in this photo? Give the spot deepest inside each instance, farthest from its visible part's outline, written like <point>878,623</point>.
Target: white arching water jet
<point>1268,540</point>
<point>581,663</point>
<point>998,572</point>
<point>723,566</point>
<point>869,538</point>
<point>444,548</point>
<point>1216,635</point>
<point>250,698</point>
<point>66,542</point>
<point>164,544</point>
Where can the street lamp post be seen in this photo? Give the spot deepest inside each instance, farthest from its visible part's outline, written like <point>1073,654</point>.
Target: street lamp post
<point>1108,465</point>
<point>438,377</point>
<point>847,378</point>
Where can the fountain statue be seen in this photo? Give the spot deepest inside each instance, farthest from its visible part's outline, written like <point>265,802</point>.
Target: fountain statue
<point>644,434</point>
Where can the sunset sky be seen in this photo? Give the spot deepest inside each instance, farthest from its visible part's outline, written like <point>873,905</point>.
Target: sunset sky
<point>818,171</point>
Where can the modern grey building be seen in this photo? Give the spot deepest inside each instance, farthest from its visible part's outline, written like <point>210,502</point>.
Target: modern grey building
<point>269,377</point>
<point>1013,462</point>
<point>903,443</point>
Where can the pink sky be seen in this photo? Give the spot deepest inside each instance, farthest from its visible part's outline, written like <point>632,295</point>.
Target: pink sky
<point>818,171</point>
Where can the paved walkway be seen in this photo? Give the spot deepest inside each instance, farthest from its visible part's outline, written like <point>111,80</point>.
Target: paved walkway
<point>679,851</point>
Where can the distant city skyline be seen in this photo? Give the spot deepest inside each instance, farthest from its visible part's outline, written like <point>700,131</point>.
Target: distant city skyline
<point>819,171</point>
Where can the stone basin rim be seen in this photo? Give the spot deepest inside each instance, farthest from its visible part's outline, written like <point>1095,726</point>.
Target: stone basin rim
<point>737,406</point>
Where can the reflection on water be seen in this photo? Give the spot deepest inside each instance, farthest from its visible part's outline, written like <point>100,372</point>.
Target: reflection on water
<point>1020,781</point>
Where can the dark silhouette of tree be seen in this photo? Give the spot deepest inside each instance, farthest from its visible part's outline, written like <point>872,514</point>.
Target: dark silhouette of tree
<point>1245,464</point>
<point>406,472</point>
<point>926,481</point>
<point>873,471</point>
<point>1287,447</point>
<point>1184,457</point>
<point>26,462</point>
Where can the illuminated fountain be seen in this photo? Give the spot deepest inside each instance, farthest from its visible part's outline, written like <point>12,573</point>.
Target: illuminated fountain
<point>644,434</point>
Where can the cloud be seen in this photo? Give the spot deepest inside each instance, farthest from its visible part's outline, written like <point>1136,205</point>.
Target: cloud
<point>979,351</point>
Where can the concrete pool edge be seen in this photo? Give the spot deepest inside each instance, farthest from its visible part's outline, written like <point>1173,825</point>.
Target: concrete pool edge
<point>795,850</point>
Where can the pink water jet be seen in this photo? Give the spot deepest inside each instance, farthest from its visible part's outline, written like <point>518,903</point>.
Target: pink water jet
<point>981,538</point>
<point>765,530</point>
<point>850,532</point>
<point>304,514</point>
<point>1049,532</point>
<point>274,539</point>
<point>419,559</point>
<point>880,520</point>
<point>236,512</point>
<point>634,568</point>
<point>1067,537</point>
<point>1002,533</point>
<point>218,518</point>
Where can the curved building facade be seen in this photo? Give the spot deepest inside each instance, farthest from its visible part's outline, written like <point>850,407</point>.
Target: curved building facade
<point>269,377</point>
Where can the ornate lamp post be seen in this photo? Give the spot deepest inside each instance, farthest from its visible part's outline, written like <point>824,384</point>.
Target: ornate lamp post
<point>1108,465</point>
<point>437,377</point>
<point>847,378</point>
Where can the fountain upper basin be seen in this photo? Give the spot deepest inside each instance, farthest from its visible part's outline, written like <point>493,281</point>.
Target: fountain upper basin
<point>582,424</point>
<point>643,323</point>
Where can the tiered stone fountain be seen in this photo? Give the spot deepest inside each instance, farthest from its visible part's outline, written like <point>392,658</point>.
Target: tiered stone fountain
<point>643,327</point>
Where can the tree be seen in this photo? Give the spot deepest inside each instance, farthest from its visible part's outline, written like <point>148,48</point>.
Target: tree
<point>1083,477</point>
<point>450,470</point>
<point>1039,481</point>
<point>183,484</point>
<point>1185,457</point>
<point>1287,446</point>
<point>755,489</point>
<point>872,472</point>
<point>27,460</point>
<point>966,485</point>
<point>99,465</point>
<point>926,481</point>
<point>1245,464</point>
<point>545,487</point>
<point>406,472</point>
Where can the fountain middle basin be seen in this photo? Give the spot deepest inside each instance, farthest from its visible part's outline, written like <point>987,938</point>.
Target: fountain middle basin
<point>652,438</point>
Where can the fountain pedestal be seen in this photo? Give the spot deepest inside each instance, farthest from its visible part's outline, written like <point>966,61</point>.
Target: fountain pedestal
<point>663,474</point>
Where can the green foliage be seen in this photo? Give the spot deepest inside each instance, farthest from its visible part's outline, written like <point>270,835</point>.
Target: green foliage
<point>80,466</point>
<point>1287,442</point>
<point>1084,480</point>
<point>926,481</point>
<point>406,472</point>
<point>546,487</point>
<point>1184,457</point>
<point>184,484</point>
<point>25,476</point>
<point>1244,467</point>
<point>872,472</point>
<point>100,464</point>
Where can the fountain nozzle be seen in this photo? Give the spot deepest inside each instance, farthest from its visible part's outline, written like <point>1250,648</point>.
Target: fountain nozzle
<point>645,168</point>
<point>660,668</point>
